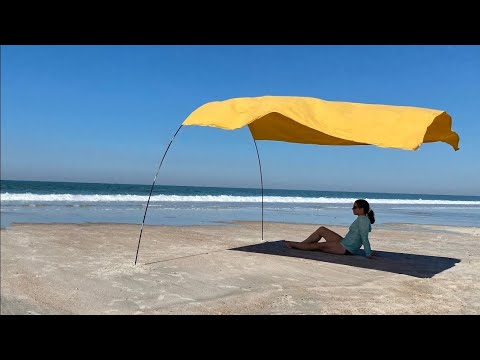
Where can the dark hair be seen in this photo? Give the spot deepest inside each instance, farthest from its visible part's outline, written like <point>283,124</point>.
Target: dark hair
<point>361,203</point>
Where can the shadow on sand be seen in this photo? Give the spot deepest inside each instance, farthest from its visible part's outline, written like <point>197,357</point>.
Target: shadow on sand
<point>420,266</point>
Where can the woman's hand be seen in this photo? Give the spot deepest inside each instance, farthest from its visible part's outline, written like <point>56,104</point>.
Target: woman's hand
<point>373,255</point>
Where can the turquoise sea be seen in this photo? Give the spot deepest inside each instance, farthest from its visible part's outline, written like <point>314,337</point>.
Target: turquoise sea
<point>68,202</point>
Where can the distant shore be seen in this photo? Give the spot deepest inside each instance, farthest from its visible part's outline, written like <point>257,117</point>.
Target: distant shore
<point>228,269</point>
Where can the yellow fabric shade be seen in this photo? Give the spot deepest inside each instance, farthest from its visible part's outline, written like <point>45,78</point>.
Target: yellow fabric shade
<point>309,120</point>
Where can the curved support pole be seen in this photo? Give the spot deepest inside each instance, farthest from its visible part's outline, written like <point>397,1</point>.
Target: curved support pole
<point>261,177</point>
<point>151,190</point>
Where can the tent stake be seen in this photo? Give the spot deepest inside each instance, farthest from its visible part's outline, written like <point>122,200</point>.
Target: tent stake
<point>151,190</point>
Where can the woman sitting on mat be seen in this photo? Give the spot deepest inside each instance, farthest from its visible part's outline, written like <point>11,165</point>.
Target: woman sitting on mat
<point>334,243</point>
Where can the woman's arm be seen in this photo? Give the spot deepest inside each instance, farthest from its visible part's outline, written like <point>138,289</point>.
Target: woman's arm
<point>364,229</point>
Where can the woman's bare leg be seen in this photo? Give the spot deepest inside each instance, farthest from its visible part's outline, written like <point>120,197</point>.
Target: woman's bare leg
<point>331,247</point>
<point>324,232</point>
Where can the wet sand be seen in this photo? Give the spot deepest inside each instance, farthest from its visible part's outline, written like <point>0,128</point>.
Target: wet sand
<point>228,269</point>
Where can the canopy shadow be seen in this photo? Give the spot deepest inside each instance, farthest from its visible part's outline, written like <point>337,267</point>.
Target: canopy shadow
<point>420,266</point>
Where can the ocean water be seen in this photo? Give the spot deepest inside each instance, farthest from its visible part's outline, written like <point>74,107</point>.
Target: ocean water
<point>67,202</point>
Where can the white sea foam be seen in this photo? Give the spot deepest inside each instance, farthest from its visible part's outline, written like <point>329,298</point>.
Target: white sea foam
<point>35,198</point>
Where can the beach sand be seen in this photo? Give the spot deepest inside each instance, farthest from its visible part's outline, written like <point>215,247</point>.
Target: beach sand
<point>227,269</point>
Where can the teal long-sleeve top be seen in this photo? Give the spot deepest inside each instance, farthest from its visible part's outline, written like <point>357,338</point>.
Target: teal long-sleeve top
<point>358,235</point>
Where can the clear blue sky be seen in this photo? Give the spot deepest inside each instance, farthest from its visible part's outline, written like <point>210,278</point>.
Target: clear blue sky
<point>107,113</point>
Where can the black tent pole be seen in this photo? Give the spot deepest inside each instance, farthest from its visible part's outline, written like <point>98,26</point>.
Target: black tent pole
<point>151,190</point>
<point>261,178</point>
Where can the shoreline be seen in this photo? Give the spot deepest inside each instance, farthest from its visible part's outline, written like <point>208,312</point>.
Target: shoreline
<point>228,269</point>
<point>239,222</point>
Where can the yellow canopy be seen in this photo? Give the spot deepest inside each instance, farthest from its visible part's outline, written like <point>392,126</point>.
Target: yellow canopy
<point>309,120</point>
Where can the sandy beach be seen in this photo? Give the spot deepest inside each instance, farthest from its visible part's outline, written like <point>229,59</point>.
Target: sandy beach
<point>228,269</point>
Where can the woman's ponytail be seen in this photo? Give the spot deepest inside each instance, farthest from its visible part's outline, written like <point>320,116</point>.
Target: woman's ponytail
<point>371,216</point>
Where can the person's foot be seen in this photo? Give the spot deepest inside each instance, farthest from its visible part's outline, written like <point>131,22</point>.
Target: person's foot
<point>287,244</point>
